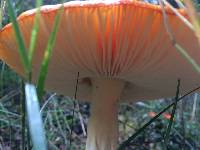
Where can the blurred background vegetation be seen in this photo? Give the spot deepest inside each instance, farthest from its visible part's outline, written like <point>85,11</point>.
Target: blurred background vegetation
<point>65,120</point>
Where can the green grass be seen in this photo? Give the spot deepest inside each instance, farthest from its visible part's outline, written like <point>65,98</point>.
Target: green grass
<point>47,55</point>
<point>49,122</point>
<point>32,103</point>
<point>21,46</point>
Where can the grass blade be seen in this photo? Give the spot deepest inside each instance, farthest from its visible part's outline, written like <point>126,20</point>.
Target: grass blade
<point>73,113</point>
<point>166,138</point>
<point>47,55</point>
<point>34,118</point>
<point>184,53</point>
<point>34,34</point>
<point>21,49</point>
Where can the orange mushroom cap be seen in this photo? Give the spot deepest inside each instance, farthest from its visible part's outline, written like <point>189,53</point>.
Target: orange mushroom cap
<point>124,40</point>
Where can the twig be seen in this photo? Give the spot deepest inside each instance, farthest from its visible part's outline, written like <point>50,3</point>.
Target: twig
<point>181,137</point>
<point>173,40</point>
<point>194,107</point>
<point>75,95</point>
<point>166,138</point>
<point>47,101</point>
<point>181,17</point>
<point>194,17</point>
<point>180,4</point>
<point>81,120</point>
<point>10,95</point>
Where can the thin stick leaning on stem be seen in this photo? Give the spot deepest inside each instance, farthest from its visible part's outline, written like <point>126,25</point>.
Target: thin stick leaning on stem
<point>194,17</point>
<point>178,47</point>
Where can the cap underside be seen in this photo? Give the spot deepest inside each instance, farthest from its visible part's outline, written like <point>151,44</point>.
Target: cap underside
<point>124,40</point>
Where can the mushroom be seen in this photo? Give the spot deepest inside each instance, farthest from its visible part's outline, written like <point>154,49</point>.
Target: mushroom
<point>121,50</point>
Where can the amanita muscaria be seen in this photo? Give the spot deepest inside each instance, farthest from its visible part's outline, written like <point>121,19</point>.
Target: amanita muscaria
<point>121,50</point>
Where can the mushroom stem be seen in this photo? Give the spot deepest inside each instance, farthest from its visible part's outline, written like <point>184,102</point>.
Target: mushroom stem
<point>103,123</point>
